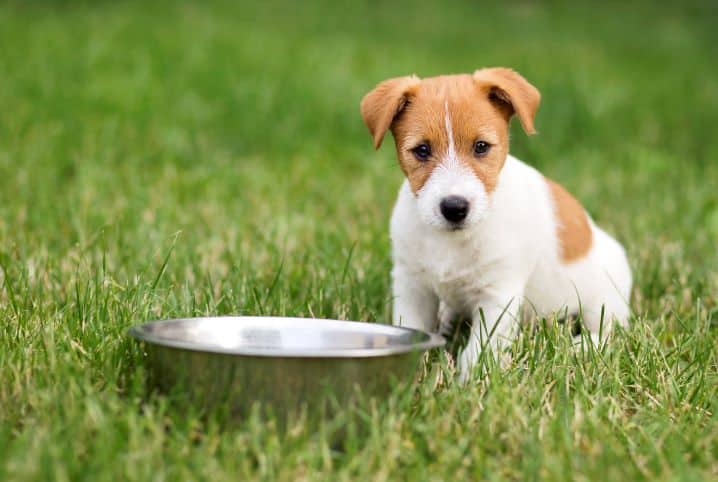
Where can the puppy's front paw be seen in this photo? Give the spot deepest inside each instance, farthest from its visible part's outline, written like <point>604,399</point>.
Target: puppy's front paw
<point>467,361</point>
<point>470,357</point>
<point>592,341</point>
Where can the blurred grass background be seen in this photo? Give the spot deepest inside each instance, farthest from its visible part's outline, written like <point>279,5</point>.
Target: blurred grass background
<point>225,138</point>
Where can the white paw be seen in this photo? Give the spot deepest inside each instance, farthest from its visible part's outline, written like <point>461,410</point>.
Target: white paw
<point>582,343</point>
<point>470,357</point>
<point>467,360</point>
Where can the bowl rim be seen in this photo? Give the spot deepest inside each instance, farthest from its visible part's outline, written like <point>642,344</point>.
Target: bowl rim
<point>140,333</point>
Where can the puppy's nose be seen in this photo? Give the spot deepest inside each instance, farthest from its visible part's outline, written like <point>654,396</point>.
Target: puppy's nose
<point>454,208</point>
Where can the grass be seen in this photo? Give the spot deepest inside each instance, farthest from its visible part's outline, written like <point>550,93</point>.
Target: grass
<point>190,158</point>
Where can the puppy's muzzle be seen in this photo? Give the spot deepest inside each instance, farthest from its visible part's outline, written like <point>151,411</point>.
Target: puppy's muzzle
<point>454,208</point>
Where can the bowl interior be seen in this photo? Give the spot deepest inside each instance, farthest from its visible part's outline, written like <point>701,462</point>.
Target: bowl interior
<point>275,336</point>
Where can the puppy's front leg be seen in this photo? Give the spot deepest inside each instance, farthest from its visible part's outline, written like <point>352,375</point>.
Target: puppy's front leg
<point>446,317</point>
<point>415,303</point>
<point>494,325</point>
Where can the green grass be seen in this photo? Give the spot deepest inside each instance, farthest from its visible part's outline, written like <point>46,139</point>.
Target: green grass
<point>226,139</point>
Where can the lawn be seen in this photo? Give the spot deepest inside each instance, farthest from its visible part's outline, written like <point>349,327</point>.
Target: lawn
<point>173,159</point>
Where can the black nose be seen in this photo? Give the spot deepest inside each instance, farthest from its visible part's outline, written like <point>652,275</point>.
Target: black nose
<point>454,208</point>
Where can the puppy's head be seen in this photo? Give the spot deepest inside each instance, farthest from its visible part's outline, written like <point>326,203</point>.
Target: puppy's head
<point>452,136</point>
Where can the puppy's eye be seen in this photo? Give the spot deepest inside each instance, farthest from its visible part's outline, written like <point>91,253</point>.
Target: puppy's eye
<point>481,148</point>
<point>422,152</point>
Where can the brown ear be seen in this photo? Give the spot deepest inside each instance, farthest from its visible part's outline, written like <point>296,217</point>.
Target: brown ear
<point>380,106</point>
<point>509,88</point>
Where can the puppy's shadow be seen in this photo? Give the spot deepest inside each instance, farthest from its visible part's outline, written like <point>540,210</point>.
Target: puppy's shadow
<point>461,330</point>
<point>459,335</point>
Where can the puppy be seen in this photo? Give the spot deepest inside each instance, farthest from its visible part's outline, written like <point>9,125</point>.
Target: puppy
<point>476,232</point>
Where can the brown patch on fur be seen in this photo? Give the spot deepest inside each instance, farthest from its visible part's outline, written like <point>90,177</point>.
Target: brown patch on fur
<point>473,117</point>
<point>573,229</point>
<point>421,121</point>
<point>380,106</point>
<point>508,87</point>
<point>479,108</point>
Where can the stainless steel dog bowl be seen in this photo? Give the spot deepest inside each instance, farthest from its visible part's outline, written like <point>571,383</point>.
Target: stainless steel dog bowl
<point>283,364</point>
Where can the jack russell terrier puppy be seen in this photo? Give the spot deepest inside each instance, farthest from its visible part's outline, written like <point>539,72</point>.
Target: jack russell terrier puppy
<point>476,232</point>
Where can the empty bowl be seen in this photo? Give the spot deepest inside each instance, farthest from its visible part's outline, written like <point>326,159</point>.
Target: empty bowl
<point>285,366</point>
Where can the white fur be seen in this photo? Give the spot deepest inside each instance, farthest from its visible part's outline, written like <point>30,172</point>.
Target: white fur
<point>506,257</point>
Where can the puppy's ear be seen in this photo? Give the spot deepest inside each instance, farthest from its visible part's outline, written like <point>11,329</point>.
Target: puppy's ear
<point>380,106</point>
<point>512,93</point>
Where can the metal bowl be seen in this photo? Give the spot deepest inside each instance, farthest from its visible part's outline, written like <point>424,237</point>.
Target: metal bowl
<point>285,365</point>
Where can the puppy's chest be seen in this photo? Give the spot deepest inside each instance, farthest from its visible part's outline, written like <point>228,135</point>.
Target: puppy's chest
<point>456,271</point>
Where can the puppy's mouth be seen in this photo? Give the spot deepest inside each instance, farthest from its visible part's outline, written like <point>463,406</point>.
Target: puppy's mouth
<point>455,226</point>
